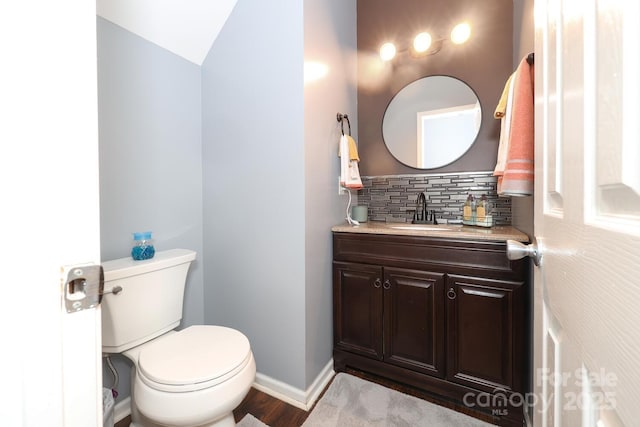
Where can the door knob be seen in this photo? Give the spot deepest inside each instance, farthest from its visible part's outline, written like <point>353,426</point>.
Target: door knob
<point>517,250</point>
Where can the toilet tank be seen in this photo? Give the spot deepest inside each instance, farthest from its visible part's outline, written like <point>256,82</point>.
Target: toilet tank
<point>150,302</point>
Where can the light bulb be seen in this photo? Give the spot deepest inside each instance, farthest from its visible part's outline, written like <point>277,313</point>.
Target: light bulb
<point>422,42</point>
<point>460,33</point>
<point>387,51</point>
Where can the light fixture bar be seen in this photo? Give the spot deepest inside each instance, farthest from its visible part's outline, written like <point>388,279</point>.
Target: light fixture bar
<point>424,44</point>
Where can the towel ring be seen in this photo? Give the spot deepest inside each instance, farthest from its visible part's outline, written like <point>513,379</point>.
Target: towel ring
<point>341,118</point>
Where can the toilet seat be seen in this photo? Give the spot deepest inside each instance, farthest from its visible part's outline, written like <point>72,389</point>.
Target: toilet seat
<point>195,358</point>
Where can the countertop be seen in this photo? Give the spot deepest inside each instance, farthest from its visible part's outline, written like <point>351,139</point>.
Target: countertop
<point>456,231</point>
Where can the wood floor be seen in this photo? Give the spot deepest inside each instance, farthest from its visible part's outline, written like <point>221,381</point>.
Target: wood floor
<point>276,413</point>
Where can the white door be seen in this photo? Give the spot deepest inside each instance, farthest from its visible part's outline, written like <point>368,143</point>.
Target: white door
<point>587,213</point>
<point>49,213</point>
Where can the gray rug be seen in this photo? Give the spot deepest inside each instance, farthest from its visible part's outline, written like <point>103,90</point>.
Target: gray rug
<point>250,421</point>
<point>353,402</point>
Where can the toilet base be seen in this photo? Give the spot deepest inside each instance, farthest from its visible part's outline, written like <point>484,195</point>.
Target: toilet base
<point>227,421</point>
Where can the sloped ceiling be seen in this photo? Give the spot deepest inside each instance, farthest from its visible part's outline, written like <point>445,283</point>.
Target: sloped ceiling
<point>187,28</point>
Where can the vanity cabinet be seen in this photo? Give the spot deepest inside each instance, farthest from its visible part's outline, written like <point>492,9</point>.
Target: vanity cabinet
<point>484,332</point>
<point>390,314</point>
<point>448,316</point>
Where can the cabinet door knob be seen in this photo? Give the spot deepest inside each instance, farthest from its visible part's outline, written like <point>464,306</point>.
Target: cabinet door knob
<point>451,294</point>
<point>377,283</point>
<point>387,284</point>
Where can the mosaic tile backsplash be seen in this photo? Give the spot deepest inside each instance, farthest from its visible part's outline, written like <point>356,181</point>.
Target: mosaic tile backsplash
<point>393,198</point>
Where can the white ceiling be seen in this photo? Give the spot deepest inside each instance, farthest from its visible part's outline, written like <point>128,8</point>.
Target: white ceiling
<point>187,28</point>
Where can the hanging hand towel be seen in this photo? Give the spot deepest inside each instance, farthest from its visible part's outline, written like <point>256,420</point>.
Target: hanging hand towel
<point>349,172</point>
<point>518,176</point>
<point>503,112</point>
<point>353,149</point>
<point>502,103</point>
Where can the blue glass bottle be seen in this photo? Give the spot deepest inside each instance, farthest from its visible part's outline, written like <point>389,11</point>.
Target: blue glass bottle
<point>142,246</point>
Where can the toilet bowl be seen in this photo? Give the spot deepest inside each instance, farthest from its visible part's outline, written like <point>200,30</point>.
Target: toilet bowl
<point>194,377</point>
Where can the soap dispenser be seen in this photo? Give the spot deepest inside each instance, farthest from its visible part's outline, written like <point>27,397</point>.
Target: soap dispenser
<point>483,212</point>
<point>468,210</point>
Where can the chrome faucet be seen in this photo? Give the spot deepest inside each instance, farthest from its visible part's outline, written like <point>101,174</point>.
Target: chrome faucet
<point>421,214</point>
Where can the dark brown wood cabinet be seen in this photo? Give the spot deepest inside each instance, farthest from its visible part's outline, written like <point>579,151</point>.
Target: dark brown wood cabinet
<point>482,318</point>
<point>390,314</point>
<point>447,316</point>
<point>357,302</point>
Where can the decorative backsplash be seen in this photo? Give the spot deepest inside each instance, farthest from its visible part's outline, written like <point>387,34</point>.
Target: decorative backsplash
<point>392,198</point>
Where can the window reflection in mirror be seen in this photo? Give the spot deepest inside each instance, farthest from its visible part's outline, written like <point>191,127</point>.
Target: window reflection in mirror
<point>432,122</point>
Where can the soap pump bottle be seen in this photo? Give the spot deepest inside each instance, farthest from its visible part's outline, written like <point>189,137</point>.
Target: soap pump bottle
<point>467,210</point>
<point>484,215</point>
<point>481,209</point>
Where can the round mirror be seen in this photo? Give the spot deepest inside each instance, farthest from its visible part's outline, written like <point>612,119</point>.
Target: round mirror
<point>431,122</point>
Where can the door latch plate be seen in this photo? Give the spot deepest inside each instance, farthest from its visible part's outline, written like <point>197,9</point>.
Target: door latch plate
<point>83,286</point>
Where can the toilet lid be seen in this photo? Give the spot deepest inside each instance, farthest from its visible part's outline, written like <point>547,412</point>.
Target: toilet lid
<point>197,354</point>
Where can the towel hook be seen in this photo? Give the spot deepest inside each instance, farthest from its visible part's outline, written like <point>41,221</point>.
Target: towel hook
<point>341,117</point>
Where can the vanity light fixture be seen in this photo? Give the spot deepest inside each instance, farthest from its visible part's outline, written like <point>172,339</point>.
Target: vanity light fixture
<point>460,33</point>
<point>387,51</point>
<point>423,43</point>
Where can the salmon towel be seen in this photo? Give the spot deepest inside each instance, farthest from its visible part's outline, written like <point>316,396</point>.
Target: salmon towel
<point>517,177</point>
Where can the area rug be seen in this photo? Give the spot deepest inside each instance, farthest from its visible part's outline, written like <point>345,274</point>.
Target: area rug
<point>250,421</point>
<point>353,402</point>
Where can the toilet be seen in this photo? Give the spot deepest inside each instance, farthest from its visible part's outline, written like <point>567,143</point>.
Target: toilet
<point>194,377</point>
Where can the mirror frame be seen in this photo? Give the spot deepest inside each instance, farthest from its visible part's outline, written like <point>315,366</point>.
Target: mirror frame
<point>396,155</point>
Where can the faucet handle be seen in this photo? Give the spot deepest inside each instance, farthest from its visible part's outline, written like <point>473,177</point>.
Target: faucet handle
<point>433,215</point>
<point>415,213</point>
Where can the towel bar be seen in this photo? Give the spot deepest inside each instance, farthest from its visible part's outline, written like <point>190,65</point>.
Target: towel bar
<point>341,117</point>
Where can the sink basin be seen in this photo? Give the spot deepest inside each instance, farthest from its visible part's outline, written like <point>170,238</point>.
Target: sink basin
<point>418,227</point>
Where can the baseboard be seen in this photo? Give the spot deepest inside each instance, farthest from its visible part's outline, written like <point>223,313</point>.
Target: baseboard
<point>294,396</point>
<point>319,384</point>
<point>291,395</point>
<point>122,409</point>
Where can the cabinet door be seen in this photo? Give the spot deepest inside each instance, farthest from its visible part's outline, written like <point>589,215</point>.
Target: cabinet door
<point>414,320</point>
<point>357,308</point>
<point>485,332</point>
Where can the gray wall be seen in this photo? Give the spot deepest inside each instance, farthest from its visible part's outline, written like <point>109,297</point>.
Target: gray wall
<point>270,172</point>
<point>329,38</point>
<point>150,156</point>
<point>253,148</point>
